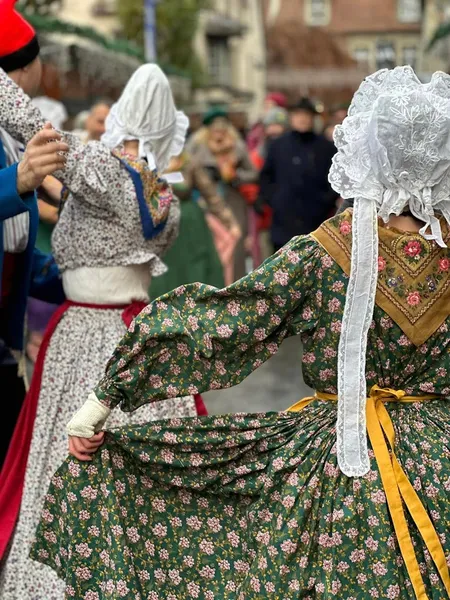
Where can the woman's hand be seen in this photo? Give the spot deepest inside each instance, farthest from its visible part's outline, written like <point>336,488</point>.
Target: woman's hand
<point>47,212</point>
<point>236,232</point>
<point>43,155</point>
<point>248,244</point>
<point>84,448</point>
<point>228,172</point>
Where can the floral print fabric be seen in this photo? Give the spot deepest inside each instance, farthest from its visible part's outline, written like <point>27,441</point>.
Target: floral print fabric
<point>250,506</point>
<point>240,507</point>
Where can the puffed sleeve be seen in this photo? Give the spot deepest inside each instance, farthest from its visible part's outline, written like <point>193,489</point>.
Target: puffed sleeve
<point>91,171</point>
<point>199,338</point>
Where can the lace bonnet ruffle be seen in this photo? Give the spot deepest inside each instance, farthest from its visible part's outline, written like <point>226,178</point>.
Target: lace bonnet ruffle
<point>393,154</point>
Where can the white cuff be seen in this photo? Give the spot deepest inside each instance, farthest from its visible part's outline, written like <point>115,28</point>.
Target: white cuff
<point>89,419</point>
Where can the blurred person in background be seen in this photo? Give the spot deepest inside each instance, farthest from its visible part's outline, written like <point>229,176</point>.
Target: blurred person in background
<point>276,123</point>
<point>218,148</point>
<point>337,116</point>
<point>338,113</point>
<point>328,131</point>
<point>256,134</point>
<point>193,257</point>
<point>79,122</point>
<point>94,123</point>
<point>294,179</point>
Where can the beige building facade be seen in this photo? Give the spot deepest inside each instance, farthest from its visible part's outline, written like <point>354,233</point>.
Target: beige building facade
<point>99,14</point>
<point>230,42</point>
<point>374,33</point>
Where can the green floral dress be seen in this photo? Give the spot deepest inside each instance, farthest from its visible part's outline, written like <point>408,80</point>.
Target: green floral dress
<point>248,506</point>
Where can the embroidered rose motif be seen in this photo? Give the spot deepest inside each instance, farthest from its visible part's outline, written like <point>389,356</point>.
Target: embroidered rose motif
<point>381,264</point>
<point>413,249</point>
<point>444,264</point>
<point>414,299</point>
<point>345,227</point>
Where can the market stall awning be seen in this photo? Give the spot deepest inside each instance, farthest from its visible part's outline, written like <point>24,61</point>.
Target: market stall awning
<point>93,61</point>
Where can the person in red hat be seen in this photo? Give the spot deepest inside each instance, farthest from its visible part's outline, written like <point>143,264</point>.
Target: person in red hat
<point>24,271</point>
<point>256,136</point>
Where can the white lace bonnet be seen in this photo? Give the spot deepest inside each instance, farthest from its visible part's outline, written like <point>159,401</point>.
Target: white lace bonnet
<point>146,112</point>
<point>393,154</point>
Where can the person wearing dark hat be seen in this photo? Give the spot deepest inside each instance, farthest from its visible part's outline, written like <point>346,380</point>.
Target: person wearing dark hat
<point>294,179</point>
<point>24,270</point>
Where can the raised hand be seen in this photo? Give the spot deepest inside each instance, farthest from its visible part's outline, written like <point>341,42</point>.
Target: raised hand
<point>43,156</point>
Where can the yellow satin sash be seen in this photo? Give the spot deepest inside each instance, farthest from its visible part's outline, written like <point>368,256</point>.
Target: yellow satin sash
<point>396,484</point>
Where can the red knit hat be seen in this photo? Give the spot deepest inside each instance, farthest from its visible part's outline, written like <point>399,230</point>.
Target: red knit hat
<point>276,97</point>
<point>18,42</point>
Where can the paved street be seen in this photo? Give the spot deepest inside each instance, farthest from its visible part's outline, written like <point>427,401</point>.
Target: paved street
<point>275,386</point>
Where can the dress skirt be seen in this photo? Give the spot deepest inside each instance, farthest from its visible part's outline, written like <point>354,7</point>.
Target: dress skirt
<point>241,507</point>
<point>80,347</point>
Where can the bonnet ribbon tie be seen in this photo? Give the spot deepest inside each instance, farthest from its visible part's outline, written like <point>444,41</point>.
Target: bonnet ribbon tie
<point>430,220</point>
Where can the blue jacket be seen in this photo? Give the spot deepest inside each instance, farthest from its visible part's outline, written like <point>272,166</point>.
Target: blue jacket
<point>37,274</point>
<point>294,183</point>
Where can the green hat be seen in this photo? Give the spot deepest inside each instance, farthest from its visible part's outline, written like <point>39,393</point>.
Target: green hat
<point>216,112</point>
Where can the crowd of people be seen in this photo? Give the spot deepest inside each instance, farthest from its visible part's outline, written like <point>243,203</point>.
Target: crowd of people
<point>180,261</point>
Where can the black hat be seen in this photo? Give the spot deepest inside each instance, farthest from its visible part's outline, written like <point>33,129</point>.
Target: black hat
<point>304,104</point>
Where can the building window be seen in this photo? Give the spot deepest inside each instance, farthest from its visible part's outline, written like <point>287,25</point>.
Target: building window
<point>409,11</point>
<point>386,57</point>
<point>410,56</point>
<point>361,55</point>
<point>317,12</point>
<point>219,60</point>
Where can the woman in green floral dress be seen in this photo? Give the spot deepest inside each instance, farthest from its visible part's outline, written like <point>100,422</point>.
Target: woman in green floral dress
<point>279,505</point>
